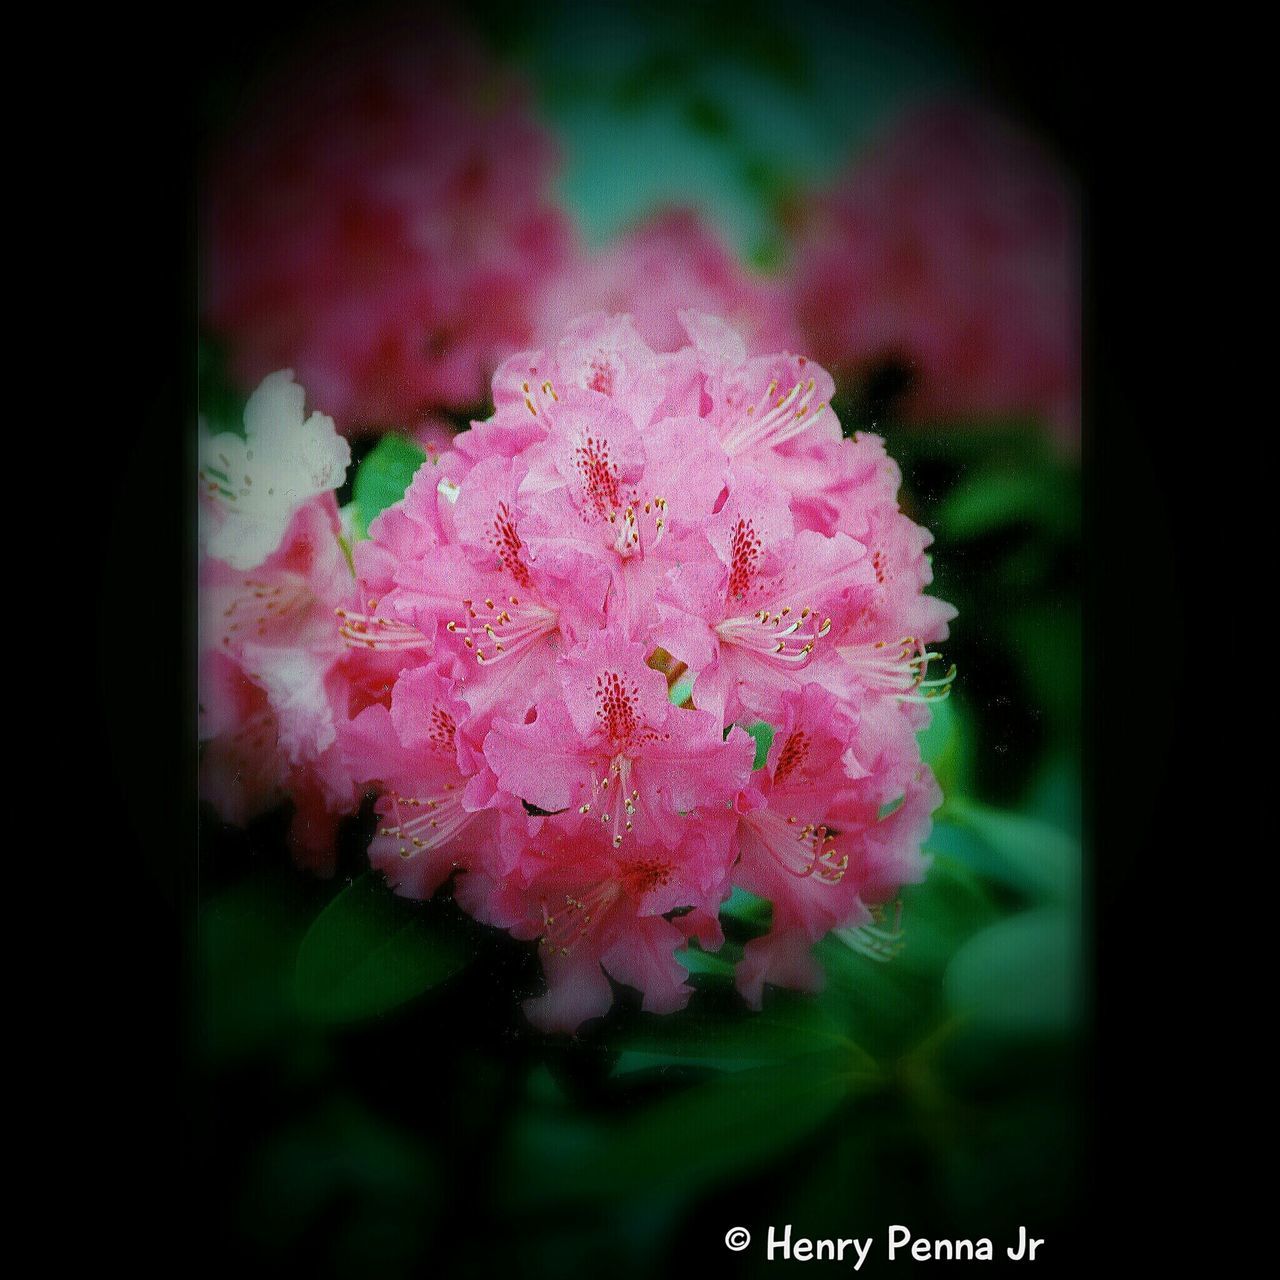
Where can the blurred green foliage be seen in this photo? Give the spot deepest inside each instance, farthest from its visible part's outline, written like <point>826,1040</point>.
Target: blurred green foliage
<point>368,951</point>
<point>733,107</point>
<point>221,404</point>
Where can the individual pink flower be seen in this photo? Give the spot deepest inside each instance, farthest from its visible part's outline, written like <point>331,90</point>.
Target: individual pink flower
<point>433,810</point>
<point>749,617</point>
<point>772,413</point>
<point>952,249</point>
<point>597,352</point>
<point>813,839</point>
<point>883,852</point>
<point>272,679</point>
<point>448,570</point>
<point>629,494</point>
<point>669,263</point>
<point>613,749</point>
<point>379,219</point>
<point>597,909</point>
<point>286,601</point>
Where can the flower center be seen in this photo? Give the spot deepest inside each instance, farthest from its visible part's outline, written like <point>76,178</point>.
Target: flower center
<point>441,729</point>
<point>899,668</point>
<point>504,539</point>
<point>371,631</point>
<point>571,921</point>
<point>782,636</point>
<point>422,823</point>
<point>805,850</point>
<point>795,751</point>
<point>600,477</point>
<point>781,420</point>
<point>494,630</point>
<point>617,708</point>
<point>744,553</point>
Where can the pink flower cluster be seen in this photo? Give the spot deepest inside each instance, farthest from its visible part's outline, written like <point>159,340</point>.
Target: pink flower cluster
<point>275,678</point>
<point>549,653</point>
<point>578,610</point>
<point>952,246</point>
<point>381,222</point>
<point>671,262</point>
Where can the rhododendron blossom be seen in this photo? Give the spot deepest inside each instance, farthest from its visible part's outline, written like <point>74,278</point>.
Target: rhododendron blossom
<point>254,483</point>
<point>671,262</point>
<point>430,778</point>
<point>577,612</point>
<point>381,221</point>
<point>273,670</point>
<point>951,251</point>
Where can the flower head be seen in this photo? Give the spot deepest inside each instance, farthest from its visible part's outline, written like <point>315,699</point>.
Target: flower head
<point>586,602</point>
<point>274,674</point>
<point>949,252</point>
<point>380,220</point>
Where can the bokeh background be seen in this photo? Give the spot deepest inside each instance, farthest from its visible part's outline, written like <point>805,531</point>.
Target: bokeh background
<point>370,1098</point>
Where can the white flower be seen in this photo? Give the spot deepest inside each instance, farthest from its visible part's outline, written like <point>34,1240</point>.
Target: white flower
<point>257,482</point>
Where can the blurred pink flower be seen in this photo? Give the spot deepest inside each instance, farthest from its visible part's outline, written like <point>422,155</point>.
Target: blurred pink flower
<point>434,436</point>
<point>951,248</point>
<point>380,221</point>
<point>672,262</point>
<point>272,670</point>
<point>274,675</point>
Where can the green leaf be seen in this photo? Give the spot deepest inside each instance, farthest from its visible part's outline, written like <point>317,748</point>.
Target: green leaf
<point>246,940</point>
<point>946,746</point>
<point>369,951</point>
<point>991,499</point>
<point>1054,796</point>
<point>720,1128</point>
<point>748,908</point>
<point>1020,976</point>
<point>386,1179</point>
<point>1048,634</point>
<point>714,964</point>
<point>988,446</point>
<point>1022,852</point>
<point>789,1026</point>
<point>763,733</point>
<point>221,404</point>
<point>382,478</point>
<point>938,914</point>
<point>887,1005</point>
